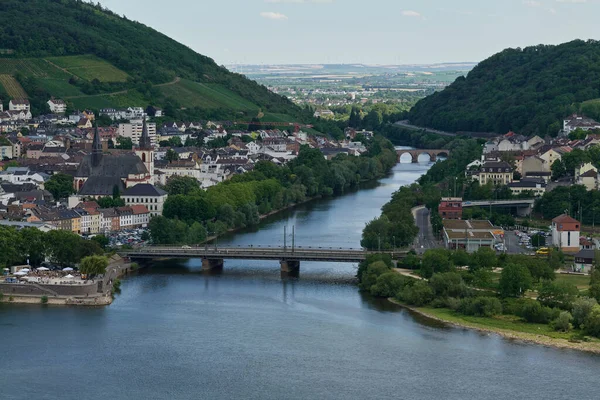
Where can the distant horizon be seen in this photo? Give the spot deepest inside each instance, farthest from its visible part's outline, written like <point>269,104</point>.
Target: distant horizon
<point>383,32</point>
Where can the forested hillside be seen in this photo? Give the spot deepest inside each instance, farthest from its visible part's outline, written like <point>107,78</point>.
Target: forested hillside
<point>526,90</point>
<point>41,29</point>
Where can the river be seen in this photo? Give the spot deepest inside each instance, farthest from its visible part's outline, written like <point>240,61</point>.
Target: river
<point>176,333</point>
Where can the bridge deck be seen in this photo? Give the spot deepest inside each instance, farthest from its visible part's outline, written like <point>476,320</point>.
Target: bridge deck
<point>252,253</point>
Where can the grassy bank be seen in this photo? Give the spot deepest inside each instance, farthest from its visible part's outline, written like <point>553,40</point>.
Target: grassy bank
<point>510,327</point>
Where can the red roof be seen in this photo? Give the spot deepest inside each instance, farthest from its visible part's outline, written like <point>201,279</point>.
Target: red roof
<point>139,209</point>
<point>561,219</point>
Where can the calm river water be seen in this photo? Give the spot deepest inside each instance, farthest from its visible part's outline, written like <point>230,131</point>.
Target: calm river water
<point>175,333</point>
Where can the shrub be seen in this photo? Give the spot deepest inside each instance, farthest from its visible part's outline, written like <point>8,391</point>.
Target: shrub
<point>512,306</point>
<point>418,294</point>
<point>563,322</point>
<point>449,284</point>
<point>582,307</point>
<point>388,284</point>
<point>372,272</point>
<point>452,303</point>
<point>480,306</point>
<point>592,322</point>
<point>534,312</point>
<point>134,266</point>
<point>44,299</point>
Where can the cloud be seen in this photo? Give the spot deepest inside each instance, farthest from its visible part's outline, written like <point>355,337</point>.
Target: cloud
<point>532,3</point>
<point>572,1</point>
<point>273,15</point>
<point>410,13</point>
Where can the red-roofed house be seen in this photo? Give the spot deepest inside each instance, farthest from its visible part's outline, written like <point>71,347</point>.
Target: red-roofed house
<point>141,216</point>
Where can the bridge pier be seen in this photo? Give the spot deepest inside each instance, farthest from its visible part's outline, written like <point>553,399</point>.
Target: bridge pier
<point>290,266</point>
<point>415,158</point>
<point>208,264</point>
<point>432,157</point>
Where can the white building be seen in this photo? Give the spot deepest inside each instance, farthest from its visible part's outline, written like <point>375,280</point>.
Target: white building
<point>19,105</point>
<point>565,233</point>
<point>57,106</point>
<point>133,129</point>
<point>146,195</point>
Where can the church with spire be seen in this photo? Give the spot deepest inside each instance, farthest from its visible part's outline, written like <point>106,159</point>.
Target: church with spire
<point>104,174</point>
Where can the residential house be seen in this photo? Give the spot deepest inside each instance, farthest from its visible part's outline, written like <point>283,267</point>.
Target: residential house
<point>141,216</point>
<point>110,220</point>
<point>19,105</point>
<point>125,217</point>
<point>450,208</point>
<point>57,106</point>
<point>587,175</point>
<point>535,164</point>
<point>579,122</point>
<point>584,261</point>
<point>497,172</point>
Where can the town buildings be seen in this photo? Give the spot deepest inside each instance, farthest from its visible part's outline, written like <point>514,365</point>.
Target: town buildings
<point>450,208</point>
<point>470,235</point>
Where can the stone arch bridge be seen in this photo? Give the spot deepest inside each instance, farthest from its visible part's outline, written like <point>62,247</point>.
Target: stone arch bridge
<point>432,153</point>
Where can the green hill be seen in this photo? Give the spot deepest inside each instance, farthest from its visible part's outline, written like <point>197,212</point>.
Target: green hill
<point>94,58</point>
<point>525,90</point>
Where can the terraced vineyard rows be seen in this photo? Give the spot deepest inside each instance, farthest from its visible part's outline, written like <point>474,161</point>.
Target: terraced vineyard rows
<point>12,87</point>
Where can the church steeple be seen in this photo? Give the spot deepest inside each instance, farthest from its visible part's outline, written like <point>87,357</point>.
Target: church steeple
<point>145,143</point>
<point>96,148</point>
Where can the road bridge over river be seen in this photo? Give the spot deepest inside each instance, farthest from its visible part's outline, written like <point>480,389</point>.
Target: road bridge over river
<point>288,257</point>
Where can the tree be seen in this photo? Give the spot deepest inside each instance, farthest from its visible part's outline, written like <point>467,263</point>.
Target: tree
<point>582,308</point>
<point>101,240</point>
<point>372,272</point>
<point>558,294</point>
<point>93,265</point>
<point>419,294</point>
<point>483,258</point>
<point>558,169</point>
<point>171,155</point>
<point>60,186</point>
<point>185,185</point>
<point>563,322</point>
<point>515,279</point>
<point>124,143</point>
<point>595,279</point>
<point>435,260</point>
<point>592,322</point>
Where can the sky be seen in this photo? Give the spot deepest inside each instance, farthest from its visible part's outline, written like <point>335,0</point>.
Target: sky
<point>362,31</point>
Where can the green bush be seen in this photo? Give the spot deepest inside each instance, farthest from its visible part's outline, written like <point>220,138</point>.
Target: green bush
<point>449,284</point>
<point>592,322</point>
<point>480,306</point>
<point>44,299</point>
<point>582,308</point>
<point>534,312</point>
<point>370,275</point>
<point>418,294</point>
<point>563,322</point>
<point>388,284</point>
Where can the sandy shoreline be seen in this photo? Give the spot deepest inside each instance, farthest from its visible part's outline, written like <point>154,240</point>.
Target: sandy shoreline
<point>590,347</point>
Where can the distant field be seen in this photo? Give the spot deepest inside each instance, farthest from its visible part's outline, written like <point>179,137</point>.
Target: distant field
<point>89,68</point>
<point>12,87</point>
<point>194,94</point>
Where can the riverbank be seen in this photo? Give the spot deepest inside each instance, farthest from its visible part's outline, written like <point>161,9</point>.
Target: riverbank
<point>521,331</point>
<point>92,294</point>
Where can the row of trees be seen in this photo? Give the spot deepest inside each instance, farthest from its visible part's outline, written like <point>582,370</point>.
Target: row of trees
<point>240,201</point>
<point>472,291</point>
<point>62,247</point>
